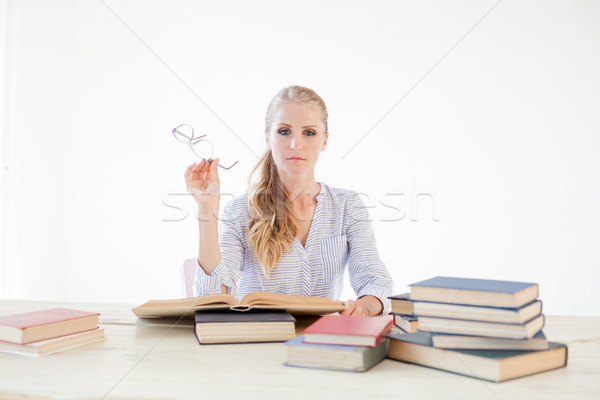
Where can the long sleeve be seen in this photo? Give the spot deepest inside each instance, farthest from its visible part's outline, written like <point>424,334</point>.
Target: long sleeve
<point>228,270</point>
<point>368,274</point>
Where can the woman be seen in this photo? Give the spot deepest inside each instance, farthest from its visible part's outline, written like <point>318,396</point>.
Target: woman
<point>289,234</point>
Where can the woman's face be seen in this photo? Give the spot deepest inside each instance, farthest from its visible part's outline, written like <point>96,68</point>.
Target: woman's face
<point>296,137</point>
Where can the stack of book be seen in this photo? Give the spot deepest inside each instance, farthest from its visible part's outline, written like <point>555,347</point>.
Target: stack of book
<point>484,328</point>
<point>48,331</point>
<point>257,317</point>
<point>341,342</point>
<point>403,312</point>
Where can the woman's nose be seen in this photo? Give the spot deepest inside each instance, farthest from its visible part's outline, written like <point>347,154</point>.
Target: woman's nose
<point>296,143</point>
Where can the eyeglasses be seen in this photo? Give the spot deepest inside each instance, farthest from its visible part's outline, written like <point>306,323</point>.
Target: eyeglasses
<point>199,145</point>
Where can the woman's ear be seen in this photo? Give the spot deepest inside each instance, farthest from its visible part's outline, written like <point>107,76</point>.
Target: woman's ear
<point>267,138</point>
<point>325,142</point>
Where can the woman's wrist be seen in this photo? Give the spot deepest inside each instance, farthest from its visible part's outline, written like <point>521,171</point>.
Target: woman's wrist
<point>205,198</point>
<point>371,304</point>
<point>208,209</point>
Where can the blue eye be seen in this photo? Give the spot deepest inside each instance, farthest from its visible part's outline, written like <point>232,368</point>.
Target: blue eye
<point>283,132</point>
<point>310,133</point>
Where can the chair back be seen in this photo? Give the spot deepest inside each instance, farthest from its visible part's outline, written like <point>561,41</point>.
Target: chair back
<point>188,274</point>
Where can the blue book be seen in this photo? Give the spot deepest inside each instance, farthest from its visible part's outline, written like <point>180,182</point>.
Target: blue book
<point>336,357</point>
<point>479,292</point>
<point>491,365</point>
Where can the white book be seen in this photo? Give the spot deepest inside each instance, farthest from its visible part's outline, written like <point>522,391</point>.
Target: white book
<point>53,345</point>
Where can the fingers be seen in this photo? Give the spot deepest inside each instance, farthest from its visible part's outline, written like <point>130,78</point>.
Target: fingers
<point>205,170</point>
<point>188,170</point>
<point>213,169</point>
<point>197,171</point>
<point>350,306</point>
<point>359,310</point>
<point>353,308</point>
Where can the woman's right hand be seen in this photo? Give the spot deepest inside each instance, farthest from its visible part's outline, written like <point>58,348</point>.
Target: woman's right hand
<point>202,181</point>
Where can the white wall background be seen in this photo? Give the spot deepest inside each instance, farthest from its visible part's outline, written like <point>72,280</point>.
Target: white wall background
<point>493,109</point>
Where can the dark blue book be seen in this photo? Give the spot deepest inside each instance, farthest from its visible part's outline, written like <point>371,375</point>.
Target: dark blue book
<point>491,365</point>
<point>336,357</point>
<point>478,292</point>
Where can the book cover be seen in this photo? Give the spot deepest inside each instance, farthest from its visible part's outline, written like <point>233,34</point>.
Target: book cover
<point>348,330</point>
<point>479,313</point>
<point>252,326</point>
<point>484,292</point>
<point>492,365</point>
<point>335,357</point>
<point>480,328</point>
<point>45,324</point>
<point>258,315</point>
<point>403,296</point>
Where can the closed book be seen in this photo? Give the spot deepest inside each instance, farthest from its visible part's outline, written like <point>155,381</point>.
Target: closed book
<point>408,323</point>
<point>480,328</point>
<point>401,304</point>
<point>447,341</point>
<point>478,292</point>
<point>491,365</point>
<point>348,330</point>
<point>226,326</point>
<point>337,357</point>
<point>49,346</point>
<point>40,325</point>
<point>479,313</point>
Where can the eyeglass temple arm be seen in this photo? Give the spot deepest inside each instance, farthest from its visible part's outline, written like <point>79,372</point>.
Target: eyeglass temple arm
<point>222,166</point>
<point>197,139</point>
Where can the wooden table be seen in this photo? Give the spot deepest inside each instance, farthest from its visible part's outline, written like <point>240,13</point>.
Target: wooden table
<point>140,361</point>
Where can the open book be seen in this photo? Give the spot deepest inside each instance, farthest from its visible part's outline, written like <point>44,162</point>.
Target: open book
<point>298,305</point>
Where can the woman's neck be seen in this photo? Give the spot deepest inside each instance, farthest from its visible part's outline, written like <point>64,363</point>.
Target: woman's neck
<point>303,190</point>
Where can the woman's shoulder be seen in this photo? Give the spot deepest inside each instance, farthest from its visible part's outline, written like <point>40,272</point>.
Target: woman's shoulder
<point>337,194</point>
<point>237,206</point>
<point>338,198</point>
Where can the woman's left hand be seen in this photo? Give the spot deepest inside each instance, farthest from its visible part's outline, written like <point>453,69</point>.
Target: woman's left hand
<point>365,306</point>
<point>353,308</point>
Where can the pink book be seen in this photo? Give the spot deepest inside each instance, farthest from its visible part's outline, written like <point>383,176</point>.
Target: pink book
<point>348,330</point>
<point>40,325</point>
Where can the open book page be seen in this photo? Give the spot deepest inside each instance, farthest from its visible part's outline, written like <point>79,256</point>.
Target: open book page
<point>299,305</point>
<point>293,304</point>
<point>184,307</point>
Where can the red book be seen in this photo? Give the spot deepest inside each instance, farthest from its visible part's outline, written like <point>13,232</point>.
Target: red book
<point>40,325</point>
<point>348,330</point>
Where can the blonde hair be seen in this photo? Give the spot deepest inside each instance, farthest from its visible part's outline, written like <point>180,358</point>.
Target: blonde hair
<point>273,224</point>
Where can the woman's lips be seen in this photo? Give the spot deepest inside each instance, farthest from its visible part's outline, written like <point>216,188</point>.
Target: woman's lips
<point>295,159</point>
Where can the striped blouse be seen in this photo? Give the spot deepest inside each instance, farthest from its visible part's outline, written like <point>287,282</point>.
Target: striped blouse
<point>340,235</point>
